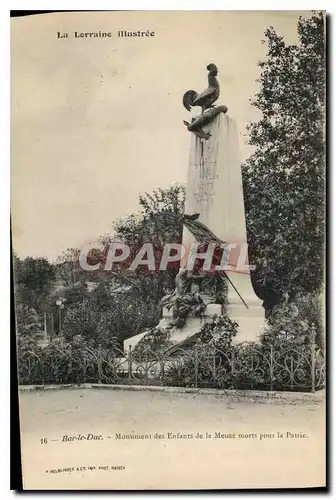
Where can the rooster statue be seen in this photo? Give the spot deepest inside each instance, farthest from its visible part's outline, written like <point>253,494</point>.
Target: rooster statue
<point>206,99</point>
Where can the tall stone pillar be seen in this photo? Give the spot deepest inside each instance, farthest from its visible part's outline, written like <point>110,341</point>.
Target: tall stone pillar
<point>215,191</point>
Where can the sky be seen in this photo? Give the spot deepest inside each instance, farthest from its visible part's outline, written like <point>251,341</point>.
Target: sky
<point>96,122</point>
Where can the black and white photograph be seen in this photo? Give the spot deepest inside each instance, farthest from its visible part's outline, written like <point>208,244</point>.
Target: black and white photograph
<point>168,187</point>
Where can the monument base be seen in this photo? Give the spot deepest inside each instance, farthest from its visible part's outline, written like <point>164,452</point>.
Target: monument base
<point>249,312</point>
<point>250,322</point>
<point>250,325</point>
<point>178,336</point>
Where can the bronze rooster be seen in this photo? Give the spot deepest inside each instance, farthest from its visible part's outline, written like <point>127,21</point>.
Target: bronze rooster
<point>206,99</point>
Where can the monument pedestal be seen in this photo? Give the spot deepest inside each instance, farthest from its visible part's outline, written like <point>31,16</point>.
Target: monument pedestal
<point>215,192</point>
<point>178,336</point>
<point>250,320</point>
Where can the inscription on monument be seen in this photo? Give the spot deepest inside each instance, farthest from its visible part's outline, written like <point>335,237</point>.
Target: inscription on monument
<point>205,175</point>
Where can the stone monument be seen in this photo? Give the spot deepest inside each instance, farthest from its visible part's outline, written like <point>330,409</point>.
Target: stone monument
<point>214,215</point>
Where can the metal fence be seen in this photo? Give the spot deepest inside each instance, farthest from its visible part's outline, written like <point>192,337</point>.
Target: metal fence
<point>243,366</point>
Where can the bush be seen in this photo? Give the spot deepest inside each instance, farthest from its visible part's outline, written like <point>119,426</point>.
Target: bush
<point>62,362</point>
<point>278,363</point>
<point>295,322</point>
<point>199,364</point>
<point>274,364</point>
<point>219,332</point>
<point>154,342</point>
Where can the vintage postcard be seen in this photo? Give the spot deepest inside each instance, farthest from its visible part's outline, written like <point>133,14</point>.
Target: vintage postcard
<point>168,229</point>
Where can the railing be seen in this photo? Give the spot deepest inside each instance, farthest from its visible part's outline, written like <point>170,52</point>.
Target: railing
<point>243,366</point>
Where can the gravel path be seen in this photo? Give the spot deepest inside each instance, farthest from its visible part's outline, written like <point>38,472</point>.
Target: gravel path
<point>151,440</point>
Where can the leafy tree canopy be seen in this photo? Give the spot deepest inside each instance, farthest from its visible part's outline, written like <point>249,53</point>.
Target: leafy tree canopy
<point>284,177</point>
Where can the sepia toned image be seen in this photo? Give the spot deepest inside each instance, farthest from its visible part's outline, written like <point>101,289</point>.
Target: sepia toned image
<point>168,234</point>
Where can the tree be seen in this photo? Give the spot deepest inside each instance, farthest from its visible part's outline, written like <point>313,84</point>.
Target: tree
<point>159,222</point>
<point>109,323</point>
<point>33,280</point>
<point>81,320</point>
<point>284,177</point>
<point>67,266</point>
<point>126,303</point>
<point>28,328</point>
<point>27,321</point>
